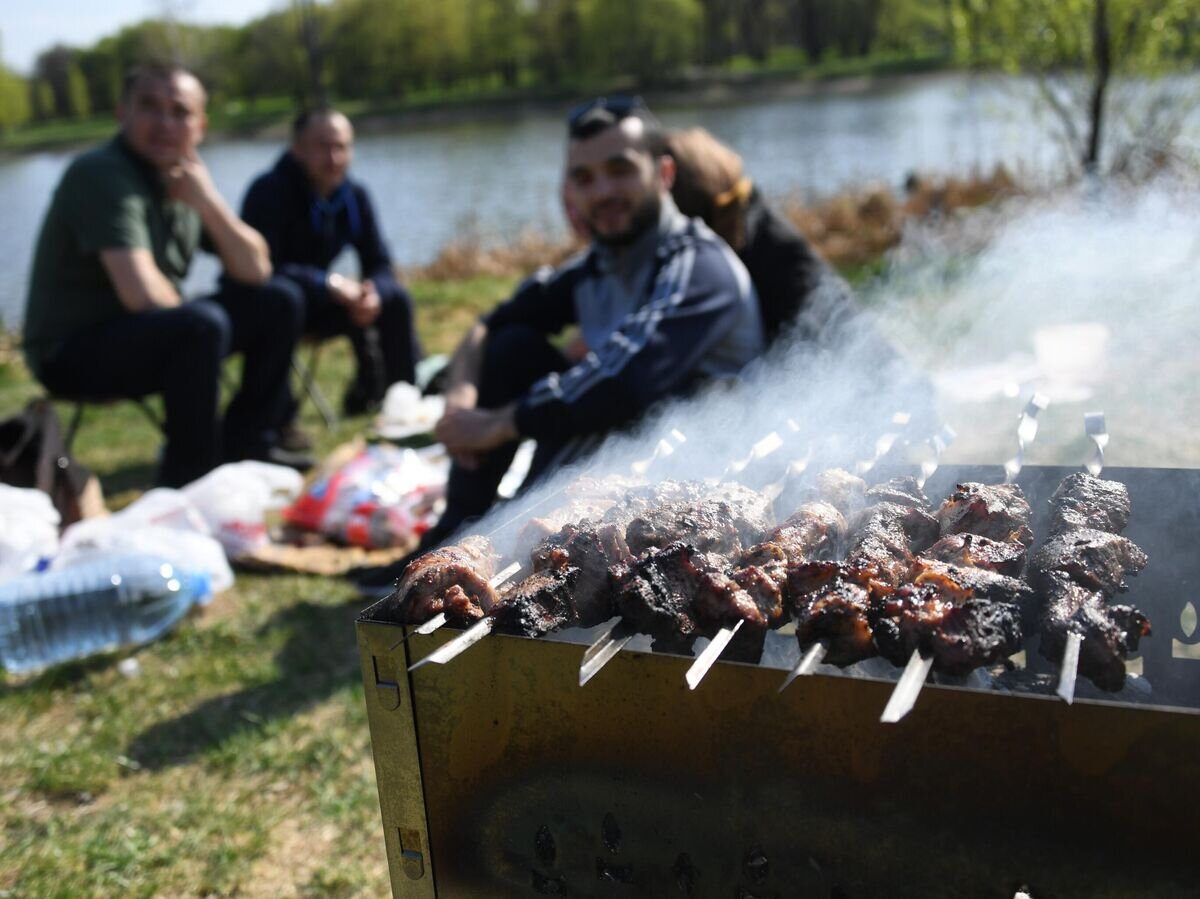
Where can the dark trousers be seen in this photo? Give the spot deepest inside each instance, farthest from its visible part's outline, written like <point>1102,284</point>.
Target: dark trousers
<point>177,353</point>
<point>515,358</point>
<point>386,352</point>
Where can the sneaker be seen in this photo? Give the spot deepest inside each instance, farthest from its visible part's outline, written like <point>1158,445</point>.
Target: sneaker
<point>295,439</point>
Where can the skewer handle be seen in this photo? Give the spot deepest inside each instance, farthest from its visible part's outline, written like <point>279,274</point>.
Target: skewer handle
<point>603,650</point>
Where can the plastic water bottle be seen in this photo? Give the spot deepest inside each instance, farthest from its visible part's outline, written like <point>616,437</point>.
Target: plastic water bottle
<point>93,607</point>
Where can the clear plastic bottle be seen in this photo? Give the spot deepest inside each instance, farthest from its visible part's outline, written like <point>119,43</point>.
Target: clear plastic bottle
<point>93,607</point>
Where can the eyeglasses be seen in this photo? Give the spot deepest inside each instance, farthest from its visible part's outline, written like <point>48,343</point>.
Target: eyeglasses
<point>606,110</point>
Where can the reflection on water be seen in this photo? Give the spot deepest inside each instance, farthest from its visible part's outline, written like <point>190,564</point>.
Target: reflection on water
<point>430,181</point>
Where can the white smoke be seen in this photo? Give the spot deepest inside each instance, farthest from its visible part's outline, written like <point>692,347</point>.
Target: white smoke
<point>1091,299</point>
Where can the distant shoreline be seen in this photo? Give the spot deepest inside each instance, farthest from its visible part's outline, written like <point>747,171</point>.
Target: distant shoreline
<point>708,88</point>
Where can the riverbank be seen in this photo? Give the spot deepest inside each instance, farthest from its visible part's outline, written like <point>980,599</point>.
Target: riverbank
<point>268,118</point>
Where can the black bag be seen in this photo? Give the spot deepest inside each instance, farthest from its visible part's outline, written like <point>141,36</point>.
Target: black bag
<point>33,454</point>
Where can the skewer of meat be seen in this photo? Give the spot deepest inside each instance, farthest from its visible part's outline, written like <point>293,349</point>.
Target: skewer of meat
<point>1079,570</point>
<point>955,616</point>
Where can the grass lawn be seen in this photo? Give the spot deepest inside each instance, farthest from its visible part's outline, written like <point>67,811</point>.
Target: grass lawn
<point>238,761</point>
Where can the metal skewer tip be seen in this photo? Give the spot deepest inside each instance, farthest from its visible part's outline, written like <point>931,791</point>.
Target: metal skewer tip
<point>458,645</point>
<point>604,649</point>
<point>1070,668</point>
<point>908,688</point>
<point>1093,425</point>
<point>706,659</point>
<point>807,665</point>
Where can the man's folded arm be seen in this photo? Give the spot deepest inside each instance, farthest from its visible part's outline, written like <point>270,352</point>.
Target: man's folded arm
<point>654,352</point>
<point>137,279</point>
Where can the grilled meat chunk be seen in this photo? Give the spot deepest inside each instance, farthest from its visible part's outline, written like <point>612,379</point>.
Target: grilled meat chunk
<point>838,614</point>
<point>678,593</point>
<point>960,583</point>
<point>458,573</point>
<point>1086,502</point>
<point>592,549</point>
<point>1093,559</point>
<point>998,511</point>
<point>724,521</point>
<point>903,491</point>
<point>539,604</point>
<point>1109,632</point>
<point>974,551</point>
<point>885,538</point>
<point>748,510</point>
<point>959,637</point>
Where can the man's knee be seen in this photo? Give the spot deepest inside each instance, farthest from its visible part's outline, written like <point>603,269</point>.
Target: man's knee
<point>514,358</point>
<point>206,326</point>
<point>282,301</point>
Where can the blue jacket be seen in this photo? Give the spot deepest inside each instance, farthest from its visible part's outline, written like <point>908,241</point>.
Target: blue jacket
<point>306,233</point>
<point>692,316</point>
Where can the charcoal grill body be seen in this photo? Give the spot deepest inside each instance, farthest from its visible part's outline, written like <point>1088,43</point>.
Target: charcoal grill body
<point>499,776</point>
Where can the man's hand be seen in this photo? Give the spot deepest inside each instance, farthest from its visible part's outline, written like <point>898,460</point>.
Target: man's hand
<point>470,432</point>
<point>190,183</point>
<point>345,291</point>
<point>367,309</point>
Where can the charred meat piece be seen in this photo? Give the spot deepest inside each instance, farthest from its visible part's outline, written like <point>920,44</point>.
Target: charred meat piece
<point>839,615</point>
<point>974,551</point>
<point>727,521</point>
<point>903,491</point>
<point>749,511</point>
<point>1085,502</point>
<point>592,549</point>
<point>998,511</point>
<point>459,573</point>
<point>537,605</point>
<point>959,583</point>
<point>959,637</point>
<point>1109,633</point>
<point>677,593</point>
<point>885,538</point>
<point>1093,559</point>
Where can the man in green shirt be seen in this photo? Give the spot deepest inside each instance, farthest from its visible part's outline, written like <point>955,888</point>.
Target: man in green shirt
<point>104,315</point>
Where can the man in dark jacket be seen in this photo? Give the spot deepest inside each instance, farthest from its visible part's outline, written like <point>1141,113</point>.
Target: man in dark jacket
<point>662,305</point>
<point>309,211</point>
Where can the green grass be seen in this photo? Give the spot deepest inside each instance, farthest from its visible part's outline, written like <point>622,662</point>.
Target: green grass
<point>238,761</point>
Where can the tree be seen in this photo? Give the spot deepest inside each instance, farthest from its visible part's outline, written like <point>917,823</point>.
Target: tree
<point>14,100</point>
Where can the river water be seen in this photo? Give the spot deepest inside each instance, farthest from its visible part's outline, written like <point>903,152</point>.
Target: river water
<point>432,181</point>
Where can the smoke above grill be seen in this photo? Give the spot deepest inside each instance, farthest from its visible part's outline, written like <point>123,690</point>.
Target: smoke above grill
<point>1087,298</point>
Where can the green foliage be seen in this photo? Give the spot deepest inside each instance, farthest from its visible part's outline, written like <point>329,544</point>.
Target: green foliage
<point>14,100</point>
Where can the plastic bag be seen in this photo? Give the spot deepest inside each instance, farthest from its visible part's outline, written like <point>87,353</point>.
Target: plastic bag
<point>162,522</point>
<point>28,529</point>
<point>235,498</point>
<point>383,497</point>
<point>406,413</point>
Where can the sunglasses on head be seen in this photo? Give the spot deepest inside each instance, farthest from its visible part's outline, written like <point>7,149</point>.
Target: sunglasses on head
<point>602,110</point>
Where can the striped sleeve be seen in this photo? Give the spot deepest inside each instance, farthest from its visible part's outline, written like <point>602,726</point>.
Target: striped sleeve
<point>655,351</point>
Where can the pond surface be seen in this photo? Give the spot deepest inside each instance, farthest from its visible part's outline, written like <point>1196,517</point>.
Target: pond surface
<point>431,182</point>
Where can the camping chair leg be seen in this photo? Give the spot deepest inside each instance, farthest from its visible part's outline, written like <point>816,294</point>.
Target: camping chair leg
<point>308,380</point>
<point>73,427</point>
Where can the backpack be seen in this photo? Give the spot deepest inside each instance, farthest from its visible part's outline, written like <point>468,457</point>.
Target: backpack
<point>34,454</point>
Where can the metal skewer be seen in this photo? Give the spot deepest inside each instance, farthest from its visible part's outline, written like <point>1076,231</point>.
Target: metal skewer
<point>1070,668</point>
<point>884,443</point>
<point>459,644</point>
<point>1093,424</point>
<point>1027,428</point>
<point>807,665</point>
<point>708,658</point>
<point>602,650</point>
<point>908,688</point>
<point>937,446</point>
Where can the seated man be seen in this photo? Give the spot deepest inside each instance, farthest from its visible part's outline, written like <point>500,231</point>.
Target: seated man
<point>104,315</point>
<point>309,211</point>
<point>661,302</point>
